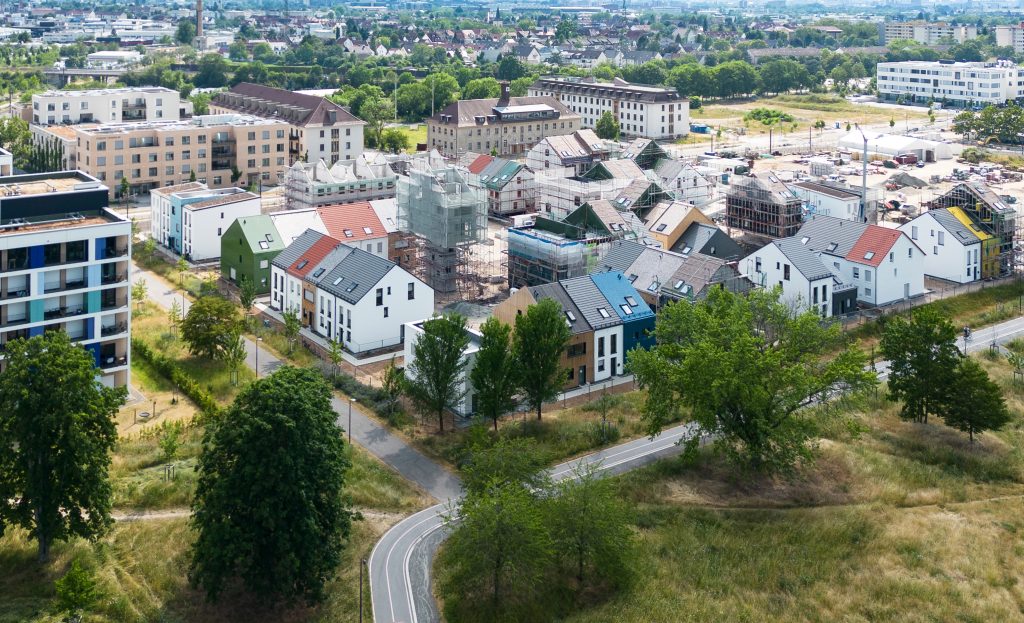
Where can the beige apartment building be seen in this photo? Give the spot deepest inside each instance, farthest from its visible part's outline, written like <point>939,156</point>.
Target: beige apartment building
<point>219,150</point>
<point>508,126</point>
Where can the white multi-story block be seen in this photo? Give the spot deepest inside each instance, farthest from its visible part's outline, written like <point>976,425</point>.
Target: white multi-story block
<point>108,106</point>
<point>959,84</point>
<point>65,264</point>
<point>190,219</point>
<point>928,33</point>
<point>644,111</point>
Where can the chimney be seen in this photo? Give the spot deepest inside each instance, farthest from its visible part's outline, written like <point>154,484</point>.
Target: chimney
<point>199,18</point>
<point>503,100</point>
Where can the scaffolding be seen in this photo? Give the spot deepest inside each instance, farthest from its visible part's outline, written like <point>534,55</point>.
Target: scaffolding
<point>446,209</point>
<point>986,210</point>
<point>560,192</point>
<point>551,251</point>
<point>763,208</point>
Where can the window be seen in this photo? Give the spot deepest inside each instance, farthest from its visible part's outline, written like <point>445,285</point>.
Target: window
<point>626,309</point>
<point>913,232</point>
<point>380,296</point>
<point>385,312</point>
<point>867,275</point>
<point>412,290</point>
<point>600,347</point>
<point>631,301</point>
<point>603,312</point>
<point>615,343</point>
<point>856,273</point>
<point>942,238</point>
<point>785,272</point>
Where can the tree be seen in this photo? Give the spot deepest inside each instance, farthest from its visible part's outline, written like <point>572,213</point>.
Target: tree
<point>238,51</point>
<point>481,88</point>
<point>392,384</point>
<point>234,355</point>
<point>437,367</point>
<point>500,546</point>
<point>892,122</point>
<point>393,140</point>
<point>510,68</point>
<point>494,374</point>
<point>444,89</point>
<point>292,328</point>
<point>174,316</point>
<point>566,29</point>
<point>139,290</point>
<point>213,71</point>
<point>186,32</point>
<point>974,403</point>
<point>76,591</point>
<point>923,357</point>
<point>169,440</point>
<point>210,326</point>
<point>246,296</point>
<point>590,526</point>
<point>182,266</point>
<point>539,340</point>
<point>375,112</point>
<point>607,126</point>
<point>57,427</point>
<point>745,366</point>
<point>123,190</point>
<point>508,462</point>
<point>270,507</point>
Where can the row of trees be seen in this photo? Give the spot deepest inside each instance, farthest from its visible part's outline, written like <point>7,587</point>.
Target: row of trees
<point>524,548</point>
<point>1002,124</point>
<point>524,362</point>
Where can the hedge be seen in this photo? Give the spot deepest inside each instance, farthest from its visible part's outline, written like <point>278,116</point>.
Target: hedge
<point>208,407</point>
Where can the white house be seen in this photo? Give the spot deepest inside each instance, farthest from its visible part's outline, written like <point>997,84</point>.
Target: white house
<point>827,200</point>
<point>684,182</point>
<point>189,219</point>
<point>466,406</point>
<point>805,280</point>
<point>951,244</point>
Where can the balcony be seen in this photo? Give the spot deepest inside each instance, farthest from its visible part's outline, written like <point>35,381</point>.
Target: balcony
<point>13,264</point>
<point>110,251</point>
<point>68,285</point>
<point>112,361</point>
<point>16,321</point>
<point>63,312</point>
<point>15,294</point>
<point>115,329</point>
<point>108,279</point>
<point>109,303</point>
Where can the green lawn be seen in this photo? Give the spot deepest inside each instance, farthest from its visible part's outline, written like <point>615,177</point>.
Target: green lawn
<point>417,133</point>
<point>894,522</point>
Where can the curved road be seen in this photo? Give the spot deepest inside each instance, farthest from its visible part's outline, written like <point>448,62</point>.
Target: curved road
<point>400,564</point>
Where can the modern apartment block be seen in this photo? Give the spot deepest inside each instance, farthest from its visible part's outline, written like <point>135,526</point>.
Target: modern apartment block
<point>65,265</point>
<point>109,106</point>
<point>952,83</point>
<point>507,125</point>
<point>190,219</point>
<point>221,151</point>
<point>1011,36</point>
<point>315,184</point>
<point>642,111</point>
<point>319,128</point>
<point>927,33</point>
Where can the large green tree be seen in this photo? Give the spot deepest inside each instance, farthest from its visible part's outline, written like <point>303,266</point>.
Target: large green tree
<point>210,326</point>
<point>923,357</point>
<point>540,337</point>
<point>745,366</point>
<point>607,126</point>
<point>186,32</point>
<point>56,434</point>
<point>495,372</point>
<point>974,402</point>
<point>213,71</point>
<point>506,462</point>
<point>270,507</point>
<point>438,364</point>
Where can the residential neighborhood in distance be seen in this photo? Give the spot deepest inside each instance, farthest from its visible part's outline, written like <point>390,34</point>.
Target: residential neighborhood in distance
<point>466,312</point>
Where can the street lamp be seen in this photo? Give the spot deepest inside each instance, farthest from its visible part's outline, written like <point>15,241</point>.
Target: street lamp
<point>350,401</point>
<point>362,564</point>
<point>258,340</point>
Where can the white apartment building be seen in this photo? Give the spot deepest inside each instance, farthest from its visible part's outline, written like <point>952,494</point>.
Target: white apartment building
<point>949,82</point>
<point>827,200</point>
<point>65,264</point>
<point>314,184</point>
<point>189,219</point>
<point>109,106</point>
<point>951,242</point>
<point>1011,36</point>
<point>642,111</point>
<point>928,33</point>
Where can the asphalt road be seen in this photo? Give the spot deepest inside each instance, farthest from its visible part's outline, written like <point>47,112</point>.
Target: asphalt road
<point>407,461</point>
<point>400,564</point>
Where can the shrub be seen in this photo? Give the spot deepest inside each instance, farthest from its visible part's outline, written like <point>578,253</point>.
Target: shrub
<point>208,407</point>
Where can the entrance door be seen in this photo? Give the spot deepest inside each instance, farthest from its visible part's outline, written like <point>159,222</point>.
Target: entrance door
<point>906,290</point>
<point>583,375</point>
<point>615,370</point>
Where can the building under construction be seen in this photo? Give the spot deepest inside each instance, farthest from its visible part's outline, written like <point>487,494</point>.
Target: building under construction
<point>991,215</point>
<point>762,206</point>
<point>447,212</point>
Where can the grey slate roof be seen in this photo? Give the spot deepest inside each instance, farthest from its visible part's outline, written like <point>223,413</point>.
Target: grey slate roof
<point>588,300</point>
<point>953,225</point>
<point>294,251</point>
<point>831,235</point>
<point>354,274</point>
<point>708,240</point>
<point>620,255</point>
<point>806,261</point>
<point>557,292</point>
<point>698,272</point>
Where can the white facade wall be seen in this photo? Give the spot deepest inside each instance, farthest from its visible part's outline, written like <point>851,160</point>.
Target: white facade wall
<point>767,267</point>
<point>950,260</point>
<point>319,142</point>
<point>106,106</point>
<point>203,227</point>
<point>636,118</point>
<point>160,218</point>
<point>898,277</point>
<point>367,325</point>
<point>961,83</point>
<point>847,208</point>
<point>285,291</point>
<point>413,331</point>
<point>602,361</point>
<point>690,186</point>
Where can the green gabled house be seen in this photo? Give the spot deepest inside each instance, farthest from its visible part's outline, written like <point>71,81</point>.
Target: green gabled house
<point>246,250</point>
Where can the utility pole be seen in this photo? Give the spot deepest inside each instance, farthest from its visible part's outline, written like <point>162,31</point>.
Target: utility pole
<point>864,176</point>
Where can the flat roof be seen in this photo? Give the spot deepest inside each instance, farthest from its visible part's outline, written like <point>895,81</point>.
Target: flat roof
<point>40,183</point>
<point>61,223</point>
<point>94,92</point>
<point>838,193</point>
<point>205,121</point>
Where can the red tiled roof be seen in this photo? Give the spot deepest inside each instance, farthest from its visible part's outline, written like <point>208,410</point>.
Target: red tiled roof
<point>350,222</point>
<point>313,256</point>
<point>479,164</point>
<point>876,240</point>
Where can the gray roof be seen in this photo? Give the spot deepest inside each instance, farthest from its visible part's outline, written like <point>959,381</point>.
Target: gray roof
<point>589,300</point>
<point>353,274</point>
<point>695,274</point>
<point>294,251</point>
<point>954,226</point>
<point>620,255</point>
<point>806,261</point>
<point>556,292</point>
<point>709,240</point>
<point>831,235</point>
